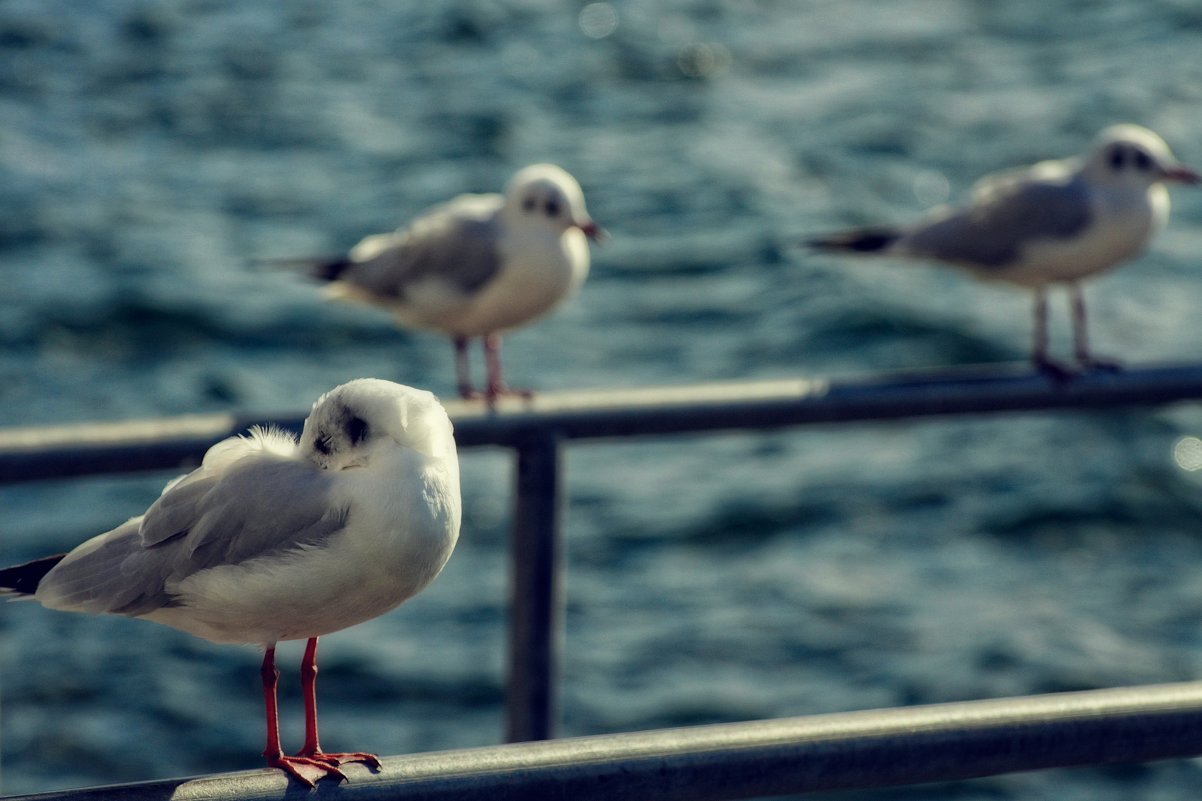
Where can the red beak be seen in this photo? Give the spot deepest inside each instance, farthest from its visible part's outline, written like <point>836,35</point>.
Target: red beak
<point>594,232</point>
<point>1182,174</point>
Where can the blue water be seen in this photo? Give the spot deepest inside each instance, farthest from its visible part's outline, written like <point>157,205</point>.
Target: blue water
<point>150,152</point>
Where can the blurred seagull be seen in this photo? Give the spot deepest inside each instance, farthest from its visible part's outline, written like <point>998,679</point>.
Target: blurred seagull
<point>1055,222</point>
<point>475,266</point>
<point>271,539</point>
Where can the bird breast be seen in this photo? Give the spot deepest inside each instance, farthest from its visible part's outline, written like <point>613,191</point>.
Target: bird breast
<point>1123,224</point>
<point>538,274</point>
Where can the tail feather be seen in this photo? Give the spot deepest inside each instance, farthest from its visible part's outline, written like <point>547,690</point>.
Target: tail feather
<point>327,269</point>
<point>24,579</point>
<point>330,270</point>
<point>857,240</point>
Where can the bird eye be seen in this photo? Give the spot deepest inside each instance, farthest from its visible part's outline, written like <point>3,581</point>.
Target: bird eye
<point>1118,158</point>
<point>322,444</point>
<point>356,430</point>
<point>1143,161</point>
<point>528,204</point>
<point>552,207</point>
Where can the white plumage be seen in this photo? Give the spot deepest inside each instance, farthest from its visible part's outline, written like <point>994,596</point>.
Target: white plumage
<point>1055,222</point>
<point>274,539</point>
<point>476,266</point>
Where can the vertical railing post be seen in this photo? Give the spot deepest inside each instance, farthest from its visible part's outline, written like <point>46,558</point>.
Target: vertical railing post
<point>536,616</point>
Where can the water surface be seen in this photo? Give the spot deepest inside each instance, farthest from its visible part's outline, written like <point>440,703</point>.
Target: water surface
<point>152,152</point>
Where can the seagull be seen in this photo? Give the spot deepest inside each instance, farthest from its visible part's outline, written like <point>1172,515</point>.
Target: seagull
<point>274,539</point>
<point>1056,222</point>
<point>475,266</point>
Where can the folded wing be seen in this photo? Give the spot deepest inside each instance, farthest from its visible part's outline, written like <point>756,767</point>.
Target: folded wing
<point>252,506</point>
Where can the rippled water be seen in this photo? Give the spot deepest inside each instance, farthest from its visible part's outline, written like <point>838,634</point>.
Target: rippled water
<point>151,152</point>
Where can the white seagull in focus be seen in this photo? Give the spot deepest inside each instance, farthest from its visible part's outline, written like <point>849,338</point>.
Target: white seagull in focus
<point>271,539</point>
<point>1055,222</point>
<point>475,266</point>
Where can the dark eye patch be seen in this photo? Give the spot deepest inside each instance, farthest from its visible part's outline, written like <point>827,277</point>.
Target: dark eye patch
<point>356,430</point>
<point>528,203</point>
<point>552,207</point>
<point>1118,157</point>
<point>1142,160</point>
<point>321,443</point>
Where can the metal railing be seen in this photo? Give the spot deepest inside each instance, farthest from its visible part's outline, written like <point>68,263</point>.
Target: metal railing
<point>46,452</point>
<point>940,742</point>
<point>538,429</point>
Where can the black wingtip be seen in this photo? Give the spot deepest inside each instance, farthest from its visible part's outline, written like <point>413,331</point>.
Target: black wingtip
<point>320,269</point>
<point>24,579</point>
<point>329,270</point>
<point>858,240</point>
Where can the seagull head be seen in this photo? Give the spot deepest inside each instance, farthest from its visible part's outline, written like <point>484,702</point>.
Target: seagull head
<point>1132,156</point>
<point>350,422</point>
<point>548,196</point>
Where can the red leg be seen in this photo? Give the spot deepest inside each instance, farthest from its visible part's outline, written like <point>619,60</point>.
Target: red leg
<point>496,380</point>
<point>271,679</point>
<point>312,747</point>
<point>1039,351</point>
<point>492,361</point>
<point>1081,335</point>
<point>463,373</point>
<point>272,752</point>
<point>308,674</point>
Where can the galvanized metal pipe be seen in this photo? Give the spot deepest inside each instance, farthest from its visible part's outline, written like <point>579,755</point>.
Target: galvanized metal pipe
<point>536,605</point>
<point>855,750</point>
<point>73,450</point>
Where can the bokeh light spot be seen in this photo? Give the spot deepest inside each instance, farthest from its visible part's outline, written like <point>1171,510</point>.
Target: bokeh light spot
<point>1187,453</point>
<point>702,59</point>
<point>931,188</point>
<point>598,20</point>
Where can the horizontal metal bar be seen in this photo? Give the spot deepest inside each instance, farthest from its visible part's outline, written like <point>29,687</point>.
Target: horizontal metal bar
<point>857,750</point>
<point>73,450</point>
<point>780,403</point>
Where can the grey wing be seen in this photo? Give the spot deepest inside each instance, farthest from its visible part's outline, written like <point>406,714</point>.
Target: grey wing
<point>1005,219</point>
<point>457,243</point>
<point>255,508</point>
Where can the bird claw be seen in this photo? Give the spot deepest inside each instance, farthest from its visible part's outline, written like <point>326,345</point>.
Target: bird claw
<point>371,760</point>
<point>1099,364</point>
<point>1052,368</point>
<point>501,390</point>
<point>1088,364</point>
<point>491,395</point>
<point>292,766</point>
<point>327,764</point>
